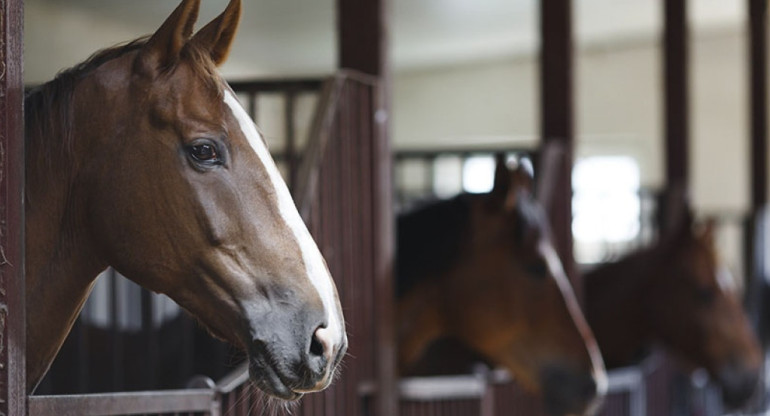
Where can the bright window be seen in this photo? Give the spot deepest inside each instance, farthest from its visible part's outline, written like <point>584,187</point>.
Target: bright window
<point>605,205</point>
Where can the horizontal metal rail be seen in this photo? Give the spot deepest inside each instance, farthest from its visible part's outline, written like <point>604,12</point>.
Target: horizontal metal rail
<point>628,380</point>
<point>131,403</point>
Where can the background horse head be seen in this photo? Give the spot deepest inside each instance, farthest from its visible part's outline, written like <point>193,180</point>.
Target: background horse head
<point>677,294</point>
<point>142,158</point>
<point>481,269</point>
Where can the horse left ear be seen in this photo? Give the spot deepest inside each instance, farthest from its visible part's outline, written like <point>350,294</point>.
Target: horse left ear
<point>510,182</point>
<point>217,36</point>
<point>502,177</point>
<point>164,46</point>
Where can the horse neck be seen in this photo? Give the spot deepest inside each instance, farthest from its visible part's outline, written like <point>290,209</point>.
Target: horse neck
<point>616,295</point>
<point>419,323</point>
<point>61,261</point>
<point>429,240</point>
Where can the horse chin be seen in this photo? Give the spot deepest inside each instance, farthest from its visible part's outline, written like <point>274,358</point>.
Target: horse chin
<point>567,392</point>
<point>738,385</point>
<point>268,379</point>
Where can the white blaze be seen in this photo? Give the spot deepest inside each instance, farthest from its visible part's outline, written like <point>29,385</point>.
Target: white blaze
<point>314,264</point>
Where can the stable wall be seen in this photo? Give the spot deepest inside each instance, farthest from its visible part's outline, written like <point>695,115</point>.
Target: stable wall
<point>618,109</point>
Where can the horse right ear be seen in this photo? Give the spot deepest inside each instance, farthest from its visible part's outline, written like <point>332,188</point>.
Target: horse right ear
<point>163,48</point>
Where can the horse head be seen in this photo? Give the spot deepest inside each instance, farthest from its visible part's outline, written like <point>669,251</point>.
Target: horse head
<point>697,312</point>
<point>174,187</point>
<point>507,297</point>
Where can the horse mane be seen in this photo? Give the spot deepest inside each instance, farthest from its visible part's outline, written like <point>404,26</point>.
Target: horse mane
<point>48,108</point>
<point>430,240</point>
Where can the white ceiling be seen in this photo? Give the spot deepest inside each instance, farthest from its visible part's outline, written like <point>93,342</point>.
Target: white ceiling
<point>290,37</point>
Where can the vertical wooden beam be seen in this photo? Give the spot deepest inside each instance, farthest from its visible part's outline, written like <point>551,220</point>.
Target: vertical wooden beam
<point>12,314</point>
<point>758,101</point>
<point>362,38</point>
<point>557,117</point>
<point>675,106</point>
<point>755,239</point>
<point>362,35</point>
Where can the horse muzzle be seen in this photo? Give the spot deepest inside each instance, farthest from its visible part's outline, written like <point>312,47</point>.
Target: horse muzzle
<point>738,383</point>
<point>570,392</point>
<point>287,363</point>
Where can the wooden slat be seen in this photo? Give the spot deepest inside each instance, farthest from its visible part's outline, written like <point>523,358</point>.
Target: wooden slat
<point>12,314</point>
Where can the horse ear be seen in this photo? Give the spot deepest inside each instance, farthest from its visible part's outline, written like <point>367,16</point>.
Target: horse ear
<point>678,217</point>
<point>524,175</point>
<point>165,44</point>
<point>502,177</point>
<point>510,182</point>
<point>217,36</point>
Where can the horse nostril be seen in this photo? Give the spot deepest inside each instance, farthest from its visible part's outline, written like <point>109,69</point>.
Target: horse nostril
<point>316,348</point>
<point>321,345</point>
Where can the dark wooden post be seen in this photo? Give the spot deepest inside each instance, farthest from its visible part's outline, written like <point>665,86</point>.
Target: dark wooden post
<point>12,316</point>
<point>362,38</point>
<point>675,106</point>
<point>756,296</point>
<point>758,101</point>
<point>556,118</point>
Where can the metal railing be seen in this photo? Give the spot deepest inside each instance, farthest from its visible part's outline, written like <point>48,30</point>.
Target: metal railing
<point>496,393</point>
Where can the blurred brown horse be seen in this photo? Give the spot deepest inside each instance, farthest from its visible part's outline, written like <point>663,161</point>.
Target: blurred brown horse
<point>675,293</point>
<point>481,269</point>
<point>142,158</point>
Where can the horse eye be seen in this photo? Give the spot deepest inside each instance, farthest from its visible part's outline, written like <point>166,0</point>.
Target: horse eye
<point>537,268</point>
<point>204,153</point>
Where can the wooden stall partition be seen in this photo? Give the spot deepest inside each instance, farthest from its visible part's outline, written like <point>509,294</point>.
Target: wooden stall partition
<point>338,195</point>
<point>12,316</point>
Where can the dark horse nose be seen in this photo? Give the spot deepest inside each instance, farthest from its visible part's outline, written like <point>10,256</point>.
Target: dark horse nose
<point>294,350</point>
<point>567,391</point>
<point>738,384</point>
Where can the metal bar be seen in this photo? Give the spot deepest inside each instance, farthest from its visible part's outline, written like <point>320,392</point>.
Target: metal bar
<point>252,97</point>
<point>116,334</point>
<point>442,388</point>
<point>676,106</point>
<point>12,314</point>
<point>152,344</point>
<point>291,137</point>
<point>167,401</point>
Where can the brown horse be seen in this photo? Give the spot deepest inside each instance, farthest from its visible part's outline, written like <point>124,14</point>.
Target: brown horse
<point>480,268</point>
<point>141,158</point>
<point>676,294</point>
